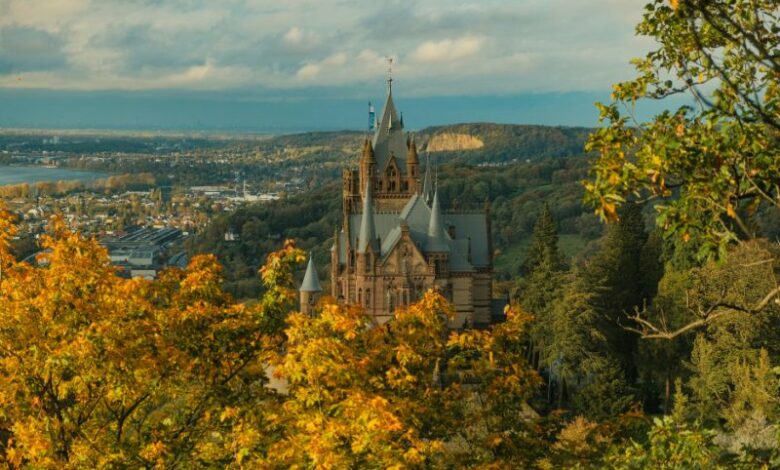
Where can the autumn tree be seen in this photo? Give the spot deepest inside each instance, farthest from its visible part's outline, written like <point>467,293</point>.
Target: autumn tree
<point>99,371</point>
<point>404,394</point>
<point>707,167</point>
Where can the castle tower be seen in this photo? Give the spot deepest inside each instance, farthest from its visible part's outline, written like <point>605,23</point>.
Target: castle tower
<point>395,242</point>
<point>437,247</point>
<point>310,289</point>
<point>412,166</point>
<point>367,165</point>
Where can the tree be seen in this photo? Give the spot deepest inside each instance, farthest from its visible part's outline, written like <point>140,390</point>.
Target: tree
<point>402,394</point>
<point>578,358</point>
<point>720,157</point>
<point>99,371</point>
<point>544,243</point>
<point>711,166</point>
<point>671,446</point>
<point>539,289</point>
<point>615,278</point>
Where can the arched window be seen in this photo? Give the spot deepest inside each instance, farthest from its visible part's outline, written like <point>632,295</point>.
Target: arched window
<point>391,183</point>
<point>360,296</point>
<point>368,297</point>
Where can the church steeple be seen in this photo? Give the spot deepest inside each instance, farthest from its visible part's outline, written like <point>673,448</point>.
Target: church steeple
<point>367,235</point>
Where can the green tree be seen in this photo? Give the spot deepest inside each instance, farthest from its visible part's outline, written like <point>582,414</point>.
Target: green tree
<point>712,166</point>
<point>541,287</point>
<point>577,356</point>
<point>615,278</point>
<point>544,243</point>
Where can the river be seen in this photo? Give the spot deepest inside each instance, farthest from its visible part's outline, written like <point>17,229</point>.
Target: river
<point>34,174</point>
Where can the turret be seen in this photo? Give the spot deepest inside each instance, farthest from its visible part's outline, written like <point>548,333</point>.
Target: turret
<point>437,247</point>
<point>367,240</point>
<point>367,163</point>
<point>335,264</point>
<point>412,166</point>
<point>427,185</point>
<point>437,237</point>
<point>310,289</point>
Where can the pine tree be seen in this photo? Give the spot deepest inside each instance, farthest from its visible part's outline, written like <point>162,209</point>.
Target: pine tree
<point>615,278</point>
<point>544,244</point>
<point>540,288</point>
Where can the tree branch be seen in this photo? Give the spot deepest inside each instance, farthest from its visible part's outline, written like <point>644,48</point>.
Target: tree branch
<point>649,330</point>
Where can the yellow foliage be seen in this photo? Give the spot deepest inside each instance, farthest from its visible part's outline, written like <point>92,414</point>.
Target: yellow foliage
<point>97,371</point>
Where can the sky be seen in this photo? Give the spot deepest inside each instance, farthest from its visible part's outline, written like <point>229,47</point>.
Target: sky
<point>300,65</point>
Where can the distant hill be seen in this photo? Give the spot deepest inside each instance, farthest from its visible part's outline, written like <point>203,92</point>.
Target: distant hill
<point>476,143</point>
<point>505,142</point>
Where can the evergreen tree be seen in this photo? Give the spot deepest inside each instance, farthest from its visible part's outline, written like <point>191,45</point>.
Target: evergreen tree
<point>577,358</point>
<point>615,278</point>
<point>541,287</point>
<point>544,243</point>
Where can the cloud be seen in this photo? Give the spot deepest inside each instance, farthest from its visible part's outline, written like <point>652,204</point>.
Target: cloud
<point>447,50</point>
<point>26,49</point>
<point>440,47</point>
<point>299,38</point>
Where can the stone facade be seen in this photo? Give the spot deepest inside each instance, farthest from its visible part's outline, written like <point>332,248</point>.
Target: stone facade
<point>396,242</point>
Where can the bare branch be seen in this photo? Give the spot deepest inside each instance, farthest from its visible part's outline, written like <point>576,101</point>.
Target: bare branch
<point>649,330</point>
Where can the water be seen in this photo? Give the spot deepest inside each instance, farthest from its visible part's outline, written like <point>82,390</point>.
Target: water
<point>34,174</point>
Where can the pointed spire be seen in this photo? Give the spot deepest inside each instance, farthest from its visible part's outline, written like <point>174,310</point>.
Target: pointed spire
<point>427,187</point>
<point>335,246</point>
<point>368,151</point>
<point>411,155</point>
<point>437,239</point>
<point>311,283</point>
<point>367,235</point>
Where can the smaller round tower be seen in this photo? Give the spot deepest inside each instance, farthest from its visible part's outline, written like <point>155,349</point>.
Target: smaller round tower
<point>310,289</point>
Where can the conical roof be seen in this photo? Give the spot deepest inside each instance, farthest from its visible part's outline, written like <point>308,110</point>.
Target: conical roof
<point>311,282</point>
<point>389,136</point>
<point>437,238</point>
<point>367,235</point>
<point>427,188</point>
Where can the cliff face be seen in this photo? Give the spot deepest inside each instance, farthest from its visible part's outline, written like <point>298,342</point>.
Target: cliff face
<point>448,141</point>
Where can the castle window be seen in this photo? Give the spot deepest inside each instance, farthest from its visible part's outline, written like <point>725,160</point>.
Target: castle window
<point>360,296</point>
<point>368,297</point>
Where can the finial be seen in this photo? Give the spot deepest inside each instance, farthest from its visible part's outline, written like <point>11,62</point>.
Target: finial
<point>389,75</point>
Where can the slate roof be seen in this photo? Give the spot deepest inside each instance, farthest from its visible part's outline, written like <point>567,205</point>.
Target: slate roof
<point>470,232</point>
<point>311,282</point>
<point>389,136</point>
<point>367,231</point>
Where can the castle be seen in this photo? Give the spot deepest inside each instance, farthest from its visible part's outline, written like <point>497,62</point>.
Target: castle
<point>396,242</point>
